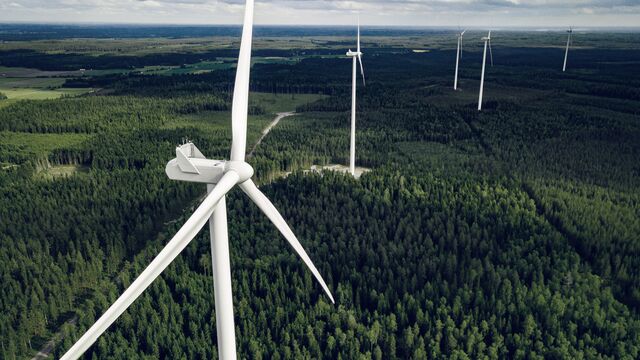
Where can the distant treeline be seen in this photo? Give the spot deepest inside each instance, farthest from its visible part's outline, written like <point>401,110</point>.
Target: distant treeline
<point>536,69</point>
<point>72,61</point>
<point>15,32</point>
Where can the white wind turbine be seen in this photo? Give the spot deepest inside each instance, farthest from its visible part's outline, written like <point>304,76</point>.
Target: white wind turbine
<point>458,57</point>
<point>566,53</point>
<point>220,176</point>
<point>487,40</point>
<point>357,57</point>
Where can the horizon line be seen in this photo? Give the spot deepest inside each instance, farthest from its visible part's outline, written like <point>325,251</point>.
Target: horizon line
<point>149,24</point>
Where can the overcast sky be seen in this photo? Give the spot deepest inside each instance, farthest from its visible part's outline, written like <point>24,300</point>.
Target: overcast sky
<point>494,13</point>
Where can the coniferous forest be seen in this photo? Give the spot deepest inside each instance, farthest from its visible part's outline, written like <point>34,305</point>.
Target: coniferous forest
<point>508,233</point>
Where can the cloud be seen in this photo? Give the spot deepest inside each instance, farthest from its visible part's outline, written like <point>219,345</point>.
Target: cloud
<point>458,4</point>
<point>394,12</point>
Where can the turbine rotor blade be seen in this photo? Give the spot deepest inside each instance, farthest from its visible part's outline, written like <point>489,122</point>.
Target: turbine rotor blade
<point>250,188</point>
<point>490,51</point>
<point>241,90</point>
<point>360,55</point>
<point>179,241</point>
<point>358,34</point>
<point>361,68</point>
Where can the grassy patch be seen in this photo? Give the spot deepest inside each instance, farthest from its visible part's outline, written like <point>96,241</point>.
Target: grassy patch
<point>62,171</point>
<point>42,94</point>
<point>39,144</point>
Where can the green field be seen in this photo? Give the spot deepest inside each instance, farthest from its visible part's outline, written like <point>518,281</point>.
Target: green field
<point>197,68</point>
<point>33,84</point>
<point>41,94</point>
<point>21,72</point>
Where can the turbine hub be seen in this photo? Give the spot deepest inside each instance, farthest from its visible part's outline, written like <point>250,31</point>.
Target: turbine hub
<point>244,170</point>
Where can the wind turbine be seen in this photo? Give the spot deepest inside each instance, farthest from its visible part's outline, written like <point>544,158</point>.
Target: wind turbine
<point>220,176</point>
<point>566,53</point>
<point>487,41</point>
<point>357,57</point>
<point>458,57</point>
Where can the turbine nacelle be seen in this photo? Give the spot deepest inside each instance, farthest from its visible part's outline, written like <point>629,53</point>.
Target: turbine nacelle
<point>191,166</point>
<point>354,53</point>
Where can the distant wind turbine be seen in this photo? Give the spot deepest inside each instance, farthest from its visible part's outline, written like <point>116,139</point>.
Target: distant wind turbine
<point>458,57</point>
<point>566,53</point>
<point>487,41</point>
<point>357,57</point>
<point>220,176</point>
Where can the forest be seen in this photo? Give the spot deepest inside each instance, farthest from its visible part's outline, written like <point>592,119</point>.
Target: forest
<point>508,233</point>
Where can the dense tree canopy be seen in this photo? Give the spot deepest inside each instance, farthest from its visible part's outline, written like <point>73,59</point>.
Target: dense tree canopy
<point>511,233</point>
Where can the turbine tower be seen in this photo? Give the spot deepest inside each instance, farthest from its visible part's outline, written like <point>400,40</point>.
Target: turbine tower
<point>357,57</point>
<point>566,53</point>
<point>487,41</point>
<point>458,57</point>
<point>220,176</point>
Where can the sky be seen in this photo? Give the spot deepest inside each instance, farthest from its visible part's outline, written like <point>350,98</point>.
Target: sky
<point>491,13</point>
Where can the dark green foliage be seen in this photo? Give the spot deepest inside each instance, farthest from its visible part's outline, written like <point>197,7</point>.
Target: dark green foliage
<point>584,212</point>
<point>447,246</point>
<point>511,233</point>
<point>80,115</point>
